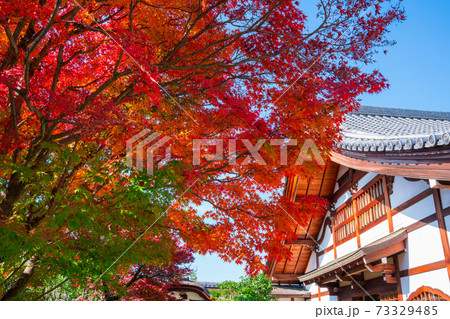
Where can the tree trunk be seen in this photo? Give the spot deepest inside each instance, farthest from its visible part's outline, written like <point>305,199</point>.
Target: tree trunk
<point>21,283</point>
<point>13,193</point>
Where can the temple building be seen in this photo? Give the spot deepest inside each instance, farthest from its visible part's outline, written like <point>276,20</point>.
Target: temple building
<point>386,234</point>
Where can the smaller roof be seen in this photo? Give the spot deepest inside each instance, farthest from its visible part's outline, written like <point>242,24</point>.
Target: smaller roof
<point>191,291</point>
<point>290,292</point>
<point>376,246</point>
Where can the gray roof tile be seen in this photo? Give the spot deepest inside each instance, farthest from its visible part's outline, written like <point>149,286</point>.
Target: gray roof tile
<point>388,129</point>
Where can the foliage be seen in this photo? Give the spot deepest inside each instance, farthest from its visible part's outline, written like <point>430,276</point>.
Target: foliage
<point>77,81</point>
<point>256,288</point>
<point>140,282</point>
<point>150,283</point>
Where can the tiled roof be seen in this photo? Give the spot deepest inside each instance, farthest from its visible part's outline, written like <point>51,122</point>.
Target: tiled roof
<point>379,129</point>
<point>289,292</point>
<point>208,284</point>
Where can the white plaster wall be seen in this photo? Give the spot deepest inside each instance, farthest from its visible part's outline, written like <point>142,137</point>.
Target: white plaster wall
<point>311,263</point>
<point>437,279</point>
<point>423,246</point>
<point>403,261</point>
<point>374,233</point>
<point>445,196</point>
<point>447,225</point>
<point>414,213</point>
<point>404,190</point>
<point>346,247</point>
<point>342,199</point>
<point>327,240</point>
<point>326,258</point>
<point>312,288</point>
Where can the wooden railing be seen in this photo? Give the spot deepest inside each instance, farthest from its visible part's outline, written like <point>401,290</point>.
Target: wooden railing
<point>366,207</point>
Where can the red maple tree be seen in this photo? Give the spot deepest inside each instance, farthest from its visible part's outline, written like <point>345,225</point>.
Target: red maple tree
<point>77,79</point>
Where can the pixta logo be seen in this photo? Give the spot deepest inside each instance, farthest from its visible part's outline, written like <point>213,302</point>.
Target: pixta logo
<point>146,146</point>
<point>141,148</point>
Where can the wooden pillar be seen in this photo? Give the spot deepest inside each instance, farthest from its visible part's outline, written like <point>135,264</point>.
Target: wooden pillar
<point>397,274</point>
<point>442,227</point>
<point>317,258</point>
<point>355,215</point>
<point>387,201</point>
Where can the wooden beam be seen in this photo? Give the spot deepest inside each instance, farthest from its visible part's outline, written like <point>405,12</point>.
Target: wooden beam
<point>399,284</point>
<point>387,201</point>
<point>425,166</point>
<point>382,267</point>
<point>285,277</point>
<point>306,242</point>
<point>333,234</point>
<point>356,277</point>
<point>355,218</point>
<point>386,252</point>
<point>442,227</point>
<point>373,286</point>
<point>424,268</point>
<point>390,278</point>
<point>324,293</point>
<point>411,201</point>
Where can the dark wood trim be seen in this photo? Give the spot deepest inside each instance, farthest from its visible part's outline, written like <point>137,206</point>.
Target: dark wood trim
<point>397,273</point>
<point>387,204</point>
<point>317,260</point>
<point>306,242</point>
<point>385,252</point>
<point>423,165</point>
<point>424,268</point>
<point>333,233</point>
<point>442,227</point>
<point>285,277</point>
<point>373,286</point>
<point>356,177</point>
<point>355,218</point>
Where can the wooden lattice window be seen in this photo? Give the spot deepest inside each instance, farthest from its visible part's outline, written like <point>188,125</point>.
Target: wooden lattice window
<point>365,208</point>
<point>346,177</point>
<point>426,293</point>
<point>371,205</point>
<point>345,223</point>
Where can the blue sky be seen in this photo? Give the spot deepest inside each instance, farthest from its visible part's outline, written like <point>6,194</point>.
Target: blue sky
<point>418,71</point>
